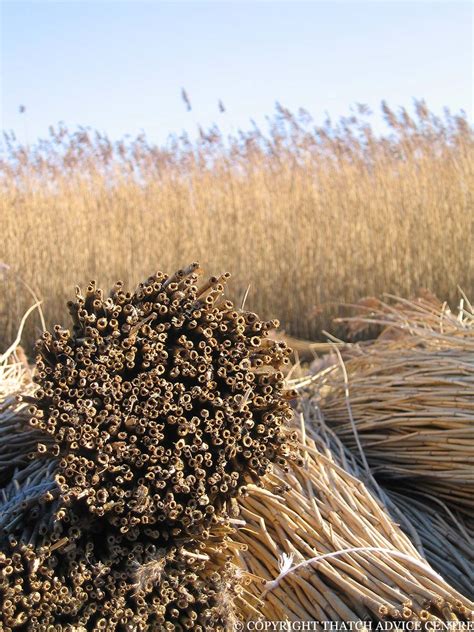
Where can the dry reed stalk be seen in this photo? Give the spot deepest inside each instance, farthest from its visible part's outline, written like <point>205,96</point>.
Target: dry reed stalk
<point>317,545</point>
<point>405,402</point>
<point>15,375</point>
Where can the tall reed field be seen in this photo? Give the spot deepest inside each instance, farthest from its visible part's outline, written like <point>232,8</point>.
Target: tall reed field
<point>310,216</point>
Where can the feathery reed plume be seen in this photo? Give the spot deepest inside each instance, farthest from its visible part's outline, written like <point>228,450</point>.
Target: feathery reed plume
<point>290,187</point>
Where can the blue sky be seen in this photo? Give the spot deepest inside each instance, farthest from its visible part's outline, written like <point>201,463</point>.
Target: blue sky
<point>119,66</point>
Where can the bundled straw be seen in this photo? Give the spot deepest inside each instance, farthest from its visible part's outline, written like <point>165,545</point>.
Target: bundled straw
<point>407,399</point>
<point>91,581</point>
<point>17,438</point>
<point>157,419</point>
<point>446,536</point>
<point>318,546</point>
<point>161,403</point>
<point>150,417</point>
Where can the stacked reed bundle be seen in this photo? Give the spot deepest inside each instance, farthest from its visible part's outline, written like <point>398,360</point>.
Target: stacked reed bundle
<point>407,399</point>
<point>319,546</point>
<point>155,412</point>
<point>89,580</point>
<point>17,438</point>
<point>446,537</point>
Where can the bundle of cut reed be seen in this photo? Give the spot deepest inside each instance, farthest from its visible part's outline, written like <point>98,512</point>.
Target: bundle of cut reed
<point>446,536</point>
<point>17,438</point>
<point>406,400</point>
<point>151,415</point>
<point>317,545</point>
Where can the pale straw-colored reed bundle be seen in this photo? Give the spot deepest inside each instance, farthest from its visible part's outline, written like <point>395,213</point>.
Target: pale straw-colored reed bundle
<point>318,545</point>
<point>17,438</point>
<point>446,536</point>
<point>405,401</point>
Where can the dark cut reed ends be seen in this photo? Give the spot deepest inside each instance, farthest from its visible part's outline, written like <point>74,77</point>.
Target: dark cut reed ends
<point>161,403</point>
<point>153,412</point>
<point>62,570</point>
<point>84,584</point>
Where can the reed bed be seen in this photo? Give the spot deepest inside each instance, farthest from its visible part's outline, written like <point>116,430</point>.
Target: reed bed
<point>324,213</point>
<point>318,545</point>
<point>404,402</point>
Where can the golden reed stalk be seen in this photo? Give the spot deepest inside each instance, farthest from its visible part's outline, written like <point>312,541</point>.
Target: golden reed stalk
<point>309,216</point>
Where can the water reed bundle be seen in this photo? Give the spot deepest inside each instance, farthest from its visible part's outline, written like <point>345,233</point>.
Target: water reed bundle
<point>406,400</point>
<point>319,546</point>
<point>154,412</point>
<point>160,404</point>
<point>17,438</point>
<point>446,537</point>
<point>88,580</point>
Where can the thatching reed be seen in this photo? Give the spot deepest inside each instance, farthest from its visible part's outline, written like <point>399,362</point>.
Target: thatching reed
<point>446,536</point>
<point>150,417</point>
<point>318,545</point>
<point>317,538</point>
<point>161,403</point>
<point>405,402</point>
<point>87,580</point>
<point>17,438</point>
<point>325,213</point>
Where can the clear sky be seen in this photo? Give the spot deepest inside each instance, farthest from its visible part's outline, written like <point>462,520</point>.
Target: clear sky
<point>119,66</point>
